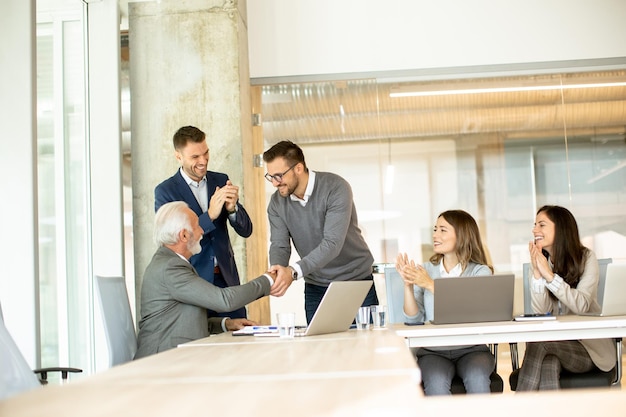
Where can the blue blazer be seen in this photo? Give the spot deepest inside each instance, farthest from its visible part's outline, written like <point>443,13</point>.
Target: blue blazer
<point>215,240</point>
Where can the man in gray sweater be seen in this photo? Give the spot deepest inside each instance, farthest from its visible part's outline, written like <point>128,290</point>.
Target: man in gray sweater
<point>174,298</point>
<point>316,212</point>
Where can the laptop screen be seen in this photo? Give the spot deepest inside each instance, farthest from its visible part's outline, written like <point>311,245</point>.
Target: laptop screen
<point>474,299</point>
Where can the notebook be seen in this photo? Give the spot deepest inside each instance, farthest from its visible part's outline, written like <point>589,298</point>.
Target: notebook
<point>474,299</point>
<point>614,295</point>
<point>335,313</point>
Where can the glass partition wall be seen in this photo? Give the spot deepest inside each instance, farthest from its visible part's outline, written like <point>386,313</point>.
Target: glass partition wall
<point>497,147</point>
<point>63,228</point>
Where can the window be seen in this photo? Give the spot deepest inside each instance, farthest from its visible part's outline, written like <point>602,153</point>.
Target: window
<point>498,148</point>
<point>64,260</point>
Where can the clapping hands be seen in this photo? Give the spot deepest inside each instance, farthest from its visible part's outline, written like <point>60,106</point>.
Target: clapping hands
<point>223,197</point>
<point>541,267</point>
<point>412,273</point>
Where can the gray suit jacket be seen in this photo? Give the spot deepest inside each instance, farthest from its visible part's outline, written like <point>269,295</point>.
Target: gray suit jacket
<point>174,300</point>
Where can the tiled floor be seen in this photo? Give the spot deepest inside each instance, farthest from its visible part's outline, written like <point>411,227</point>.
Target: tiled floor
<point>504,364</point>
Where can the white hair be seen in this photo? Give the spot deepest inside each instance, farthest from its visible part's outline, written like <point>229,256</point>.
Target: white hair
<point>170,219</point>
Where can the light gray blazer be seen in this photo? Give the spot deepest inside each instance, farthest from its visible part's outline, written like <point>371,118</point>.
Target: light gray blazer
<point>581,299</point>
<point>174,300</point>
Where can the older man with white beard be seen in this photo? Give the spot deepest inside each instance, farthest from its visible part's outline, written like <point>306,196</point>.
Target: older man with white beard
<point>174,298</point>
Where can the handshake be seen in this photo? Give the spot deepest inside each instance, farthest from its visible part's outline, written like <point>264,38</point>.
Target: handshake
<point>282,277</point>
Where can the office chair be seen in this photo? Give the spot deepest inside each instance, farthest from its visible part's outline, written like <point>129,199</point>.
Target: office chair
<point>119,327</point>
<point>394,287</point>
<point>395,301</point>
<point>15,373</point>
<point>16,376</point>
<point>591,379</point>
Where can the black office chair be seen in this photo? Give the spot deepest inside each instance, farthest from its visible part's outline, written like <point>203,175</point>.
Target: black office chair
<point>592,379</point>
<point>395,300</point>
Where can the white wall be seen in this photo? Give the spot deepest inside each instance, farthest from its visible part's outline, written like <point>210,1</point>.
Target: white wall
<point>295,38</point>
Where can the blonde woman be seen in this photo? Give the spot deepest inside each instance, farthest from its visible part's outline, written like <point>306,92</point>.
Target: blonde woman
<point>458,252</point>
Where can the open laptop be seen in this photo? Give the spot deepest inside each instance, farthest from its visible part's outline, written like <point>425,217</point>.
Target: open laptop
<point>614,294</point>
<point>338,308</point>
<point>335,313</point>
<point>474,299</point>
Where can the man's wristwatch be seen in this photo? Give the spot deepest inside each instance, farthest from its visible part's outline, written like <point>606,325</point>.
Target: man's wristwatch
<point>294,273</point>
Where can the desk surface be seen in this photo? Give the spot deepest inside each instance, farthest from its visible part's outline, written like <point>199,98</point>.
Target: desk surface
<point>348,374</point>
<point>563,328</point>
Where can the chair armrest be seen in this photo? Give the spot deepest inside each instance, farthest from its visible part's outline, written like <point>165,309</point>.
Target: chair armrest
<point>43,373</point>
<point>493,347</point>
<point>618,362</point>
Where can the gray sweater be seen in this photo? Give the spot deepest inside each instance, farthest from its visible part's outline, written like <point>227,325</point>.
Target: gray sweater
<point>325,233</point>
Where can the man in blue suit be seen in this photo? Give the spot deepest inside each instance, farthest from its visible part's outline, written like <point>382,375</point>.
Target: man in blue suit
<point>215,200</point>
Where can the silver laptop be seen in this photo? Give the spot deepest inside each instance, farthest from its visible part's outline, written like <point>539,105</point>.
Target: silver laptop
<point>474,299</point>
<point>338,308</point>
<point>614,295</point>
<point>335,313</point>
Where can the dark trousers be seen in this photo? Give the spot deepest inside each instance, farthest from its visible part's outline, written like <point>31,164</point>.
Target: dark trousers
<point>313,295</point>
<point>240,313</point>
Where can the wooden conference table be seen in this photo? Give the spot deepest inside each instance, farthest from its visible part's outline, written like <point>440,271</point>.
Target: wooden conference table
<point>367,373</point>
<point>345,374</point>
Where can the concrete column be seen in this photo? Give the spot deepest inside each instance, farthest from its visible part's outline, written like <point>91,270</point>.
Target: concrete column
<point>188,66</point>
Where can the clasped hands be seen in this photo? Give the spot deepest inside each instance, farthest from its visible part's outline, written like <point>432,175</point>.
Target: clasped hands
<point>541,267</point>
<point>223,197</point>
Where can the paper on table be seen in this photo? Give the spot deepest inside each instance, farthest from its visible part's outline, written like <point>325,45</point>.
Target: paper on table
<point>254,330</point>
<point>534,317</point>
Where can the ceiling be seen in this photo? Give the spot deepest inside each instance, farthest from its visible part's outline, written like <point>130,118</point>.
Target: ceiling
<point>361,110</point>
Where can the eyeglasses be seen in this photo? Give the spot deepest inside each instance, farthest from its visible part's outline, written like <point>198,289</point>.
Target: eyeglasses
<point>278,177</point>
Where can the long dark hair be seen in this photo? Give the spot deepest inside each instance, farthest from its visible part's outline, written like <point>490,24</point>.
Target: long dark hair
<point>568,253</point>
<point>469,245</point>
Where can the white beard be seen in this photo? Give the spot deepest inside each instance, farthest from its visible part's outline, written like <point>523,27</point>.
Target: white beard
<point>194,247</point>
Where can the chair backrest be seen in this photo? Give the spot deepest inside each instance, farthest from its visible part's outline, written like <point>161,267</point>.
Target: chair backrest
<point>118,320</point>
<point>528,309</point>
<point>394,287</point>
<point>15,373</point>
<point>602,263</point>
